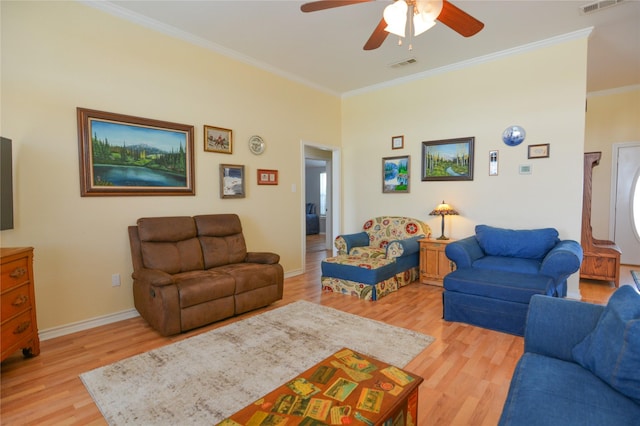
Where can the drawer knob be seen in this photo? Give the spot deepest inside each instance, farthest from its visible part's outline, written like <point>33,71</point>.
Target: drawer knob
<point>20,300</point>
<point>22,327</point>
<point>18,272</point>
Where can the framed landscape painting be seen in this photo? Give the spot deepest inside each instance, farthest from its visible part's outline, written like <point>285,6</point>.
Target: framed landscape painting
<point>395,174</point>
<point>122,155</point>
<point>449,159</point>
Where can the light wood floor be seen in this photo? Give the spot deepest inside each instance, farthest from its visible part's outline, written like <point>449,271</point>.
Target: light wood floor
<point>466,370</point>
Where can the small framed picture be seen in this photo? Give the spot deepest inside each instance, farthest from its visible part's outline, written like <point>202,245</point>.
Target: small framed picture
<point>267,177</point>
<point>397,142</point>
<point>217,139</point>
<point>538,151</point>
<point>395,174</point>
<point>231,181</point>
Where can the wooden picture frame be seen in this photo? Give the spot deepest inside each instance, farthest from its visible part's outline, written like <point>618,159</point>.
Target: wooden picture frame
<point>538,151</point>
<point>397,142</point>
<point>218,139</point>
<point>396,174</point>
<point>232,181</point>
<point>448,159</point>
<point>267,177</point>
<point>123,155</point>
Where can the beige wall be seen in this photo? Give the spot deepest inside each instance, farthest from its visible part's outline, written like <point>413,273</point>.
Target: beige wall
<point>542,90</point>
<point>56,57</point>
<point>63,55</point>
<point>612,117</point>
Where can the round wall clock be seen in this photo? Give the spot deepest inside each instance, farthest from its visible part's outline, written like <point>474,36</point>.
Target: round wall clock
<point>256,145</point>
<point>513,135</point>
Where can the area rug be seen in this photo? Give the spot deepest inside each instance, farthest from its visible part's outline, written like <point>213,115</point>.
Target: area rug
<point>208,377</point>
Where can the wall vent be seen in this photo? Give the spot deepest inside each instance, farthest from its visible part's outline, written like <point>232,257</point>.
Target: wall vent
<point>403,63</point>
<point>598,5</point>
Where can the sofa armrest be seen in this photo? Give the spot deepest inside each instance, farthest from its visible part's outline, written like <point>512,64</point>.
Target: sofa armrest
<point>262,257</point>
<point>464,252</point>
<point>406,247</point>
<point>562,260</point>
<point>154,277</point>
<point>344,243</point>
<point>554,325</point>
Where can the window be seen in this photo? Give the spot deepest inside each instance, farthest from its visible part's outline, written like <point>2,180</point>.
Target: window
<point>323,194</point>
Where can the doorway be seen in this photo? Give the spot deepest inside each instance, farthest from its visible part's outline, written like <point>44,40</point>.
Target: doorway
<point>325,160</point>
<point>625,193</point>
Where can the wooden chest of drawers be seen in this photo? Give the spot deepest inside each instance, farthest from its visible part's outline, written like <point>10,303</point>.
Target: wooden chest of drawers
<point>19,327</point>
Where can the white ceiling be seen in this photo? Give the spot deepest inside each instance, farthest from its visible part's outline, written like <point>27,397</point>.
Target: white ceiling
<point>324,49</point>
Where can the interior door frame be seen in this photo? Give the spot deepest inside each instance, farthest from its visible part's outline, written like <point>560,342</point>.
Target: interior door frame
<point>333,228</point>
<point>615,151</point>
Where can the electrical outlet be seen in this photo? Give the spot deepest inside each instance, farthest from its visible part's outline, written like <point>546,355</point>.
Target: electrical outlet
<point>115,280</point>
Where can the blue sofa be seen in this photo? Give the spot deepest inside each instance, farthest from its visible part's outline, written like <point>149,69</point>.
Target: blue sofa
<point>498,270</point>
<point>581,364</point>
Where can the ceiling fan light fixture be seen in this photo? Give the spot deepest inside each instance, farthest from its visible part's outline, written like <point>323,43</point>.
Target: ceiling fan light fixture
<point>420,24</point>
<point>395,15</point>
<point>429,9</point>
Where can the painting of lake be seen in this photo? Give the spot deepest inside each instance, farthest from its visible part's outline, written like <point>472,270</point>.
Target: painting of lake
<point>127,155</point>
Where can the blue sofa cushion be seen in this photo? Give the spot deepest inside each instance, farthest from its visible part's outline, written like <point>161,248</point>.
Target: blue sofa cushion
<point>549,391</point>
<point>526,243</point>
<point>510,286</point>
<point>508,264</point>
<point>612,350</point>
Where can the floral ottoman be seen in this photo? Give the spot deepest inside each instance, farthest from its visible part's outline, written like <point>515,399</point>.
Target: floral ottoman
<point>367,278</point>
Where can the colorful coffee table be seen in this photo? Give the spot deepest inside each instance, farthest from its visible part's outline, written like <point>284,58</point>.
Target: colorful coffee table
<point>347,388</point>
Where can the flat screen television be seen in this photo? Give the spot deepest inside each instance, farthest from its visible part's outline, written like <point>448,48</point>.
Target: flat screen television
<point>6,185</point>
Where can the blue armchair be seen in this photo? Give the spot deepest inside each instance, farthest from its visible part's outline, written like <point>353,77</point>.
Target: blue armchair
<point>498,270</point>
<point>581,364</point>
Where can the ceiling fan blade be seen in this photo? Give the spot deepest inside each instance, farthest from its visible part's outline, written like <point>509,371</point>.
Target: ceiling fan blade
<point>377,37</point>
<point>328,4</point>
<point>459,20</point>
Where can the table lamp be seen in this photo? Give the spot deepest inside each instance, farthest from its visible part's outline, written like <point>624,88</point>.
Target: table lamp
<point>442,210</point>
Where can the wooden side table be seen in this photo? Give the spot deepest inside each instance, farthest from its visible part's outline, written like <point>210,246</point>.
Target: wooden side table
<point>19,328</point>
<point>434,264</point>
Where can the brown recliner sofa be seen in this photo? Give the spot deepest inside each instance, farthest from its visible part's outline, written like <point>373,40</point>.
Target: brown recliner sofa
<point>192,271</point>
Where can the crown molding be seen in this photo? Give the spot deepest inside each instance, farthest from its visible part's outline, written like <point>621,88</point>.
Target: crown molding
<point>121,12</point>
<point>579,34</point>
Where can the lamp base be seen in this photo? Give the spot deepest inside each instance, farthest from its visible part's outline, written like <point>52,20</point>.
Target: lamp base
<point>442,237</point>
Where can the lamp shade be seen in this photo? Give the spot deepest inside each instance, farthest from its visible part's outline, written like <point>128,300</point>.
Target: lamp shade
<point>443,209</point>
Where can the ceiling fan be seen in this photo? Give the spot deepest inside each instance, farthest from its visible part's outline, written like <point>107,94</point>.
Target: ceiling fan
<point>450,15</point>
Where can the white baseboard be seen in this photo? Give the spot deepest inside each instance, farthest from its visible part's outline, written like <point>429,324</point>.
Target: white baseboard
<point>63,330</point>
<point>293,273</point>
<point>574,295</point>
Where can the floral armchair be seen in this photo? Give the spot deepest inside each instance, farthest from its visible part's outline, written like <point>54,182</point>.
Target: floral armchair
<point>385,236</point>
